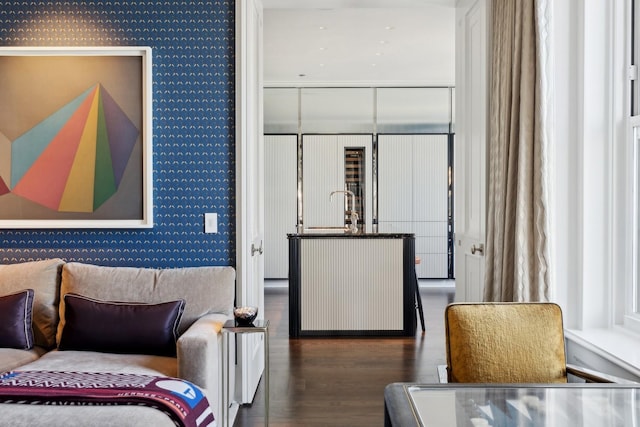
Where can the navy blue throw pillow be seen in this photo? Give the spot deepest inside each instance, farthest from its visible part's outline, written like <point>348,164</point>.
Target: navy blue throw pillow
<point>16,311</point>
<point>118,327</point>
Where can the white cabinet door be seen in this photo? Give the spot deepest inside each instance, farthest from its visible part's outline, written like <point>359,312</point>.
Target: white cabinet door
<point>430,206</point>
<point>319,178</point>
<point>413,190</point>
<point>280,198</point>
<point>432,249</point>
<point>395,178</point>
<point>395,227</point>
<point>430,174</point>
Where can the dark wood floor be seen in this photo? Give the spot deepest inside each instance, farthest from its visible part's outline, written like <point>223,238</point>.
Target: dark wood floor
<point>340,381</point>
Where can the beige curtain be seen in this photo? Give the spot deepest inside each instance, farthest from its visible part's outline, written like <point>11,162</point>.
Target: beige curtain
<point>517,250</point>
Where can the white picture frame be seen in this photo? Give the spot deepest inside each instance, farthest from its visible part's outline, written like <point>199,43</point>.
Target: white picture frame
<point>76,137</point>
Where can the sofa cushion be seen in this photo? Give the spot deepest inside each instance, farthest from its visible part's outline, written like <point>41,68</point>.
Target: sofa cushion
<point>44,278</point>
<point>17,415</point>
<point>204,289</point>
<point>91,361</point>
<point>116,327</point>
<point>15,320</point>
<point>12,358</point>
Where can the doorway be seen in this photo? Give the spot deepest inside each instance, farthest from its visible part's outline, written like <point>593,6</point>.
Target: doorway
<point>406,44</point>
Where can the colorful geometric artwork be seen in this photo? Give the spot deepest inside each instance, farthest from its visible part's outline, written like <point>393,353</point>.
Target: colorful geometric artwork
<point>5,163</point>
<point>74,160</point>
<point>4,189</point>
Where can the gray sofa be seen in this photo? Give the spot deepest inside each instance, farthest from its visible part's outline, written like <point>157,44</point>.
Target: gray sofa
<point>208,294</point>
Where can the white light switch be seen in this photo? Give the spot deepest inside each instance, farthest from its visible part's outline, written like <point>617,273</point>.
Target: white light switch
<point>211,223</point>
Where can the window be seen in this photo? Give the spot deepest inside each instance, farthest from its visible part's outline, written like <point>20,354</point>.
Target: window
<point>634,55</point>
<point>632,114</point>
<point>632,309</point>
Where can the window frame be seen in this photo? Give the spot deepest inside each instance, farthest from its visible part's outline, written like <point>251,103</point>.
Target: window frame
<point>631,98</point>
<point>631,312</point>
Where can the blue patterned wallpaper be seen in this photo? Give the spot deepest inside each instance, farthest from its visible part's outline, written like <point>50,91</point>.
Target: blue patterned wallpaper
<point>193,126</point>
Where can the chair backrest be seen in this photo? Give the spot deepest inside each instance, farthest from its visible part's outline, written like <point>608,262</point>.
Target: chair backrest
<point>505,343</point>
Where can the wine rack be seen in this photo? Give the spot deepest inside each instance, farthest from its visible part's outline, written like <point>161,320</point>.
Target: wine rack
<point>354,179</point>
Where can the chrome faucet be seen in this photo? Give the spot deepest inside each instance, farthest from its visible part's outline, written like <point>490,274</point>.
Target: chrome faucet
<point>353,227</point>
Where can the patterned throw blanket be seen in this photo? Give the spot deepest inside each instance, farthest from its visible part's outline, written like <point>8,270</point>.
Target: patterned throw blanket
<point>182,401</point>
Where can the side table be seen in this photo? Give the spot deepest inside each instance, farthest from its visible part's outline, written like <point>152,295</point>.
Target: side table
<point>231,327</point>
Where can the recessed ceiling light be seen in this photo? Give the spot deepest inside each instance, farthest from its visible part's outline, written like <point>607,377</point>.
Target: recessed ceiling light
<point>373,65</point>
<point>389,27</point>
<point>378,53</point>
<point>322,27</point>
<point>322,65</point>
<point>323,48</point>
<point>383,42</point>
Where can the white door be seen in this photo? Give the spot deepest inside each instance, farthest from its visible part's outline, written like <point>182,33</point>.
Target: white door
<point>249,189</point>
<point>470,147</point>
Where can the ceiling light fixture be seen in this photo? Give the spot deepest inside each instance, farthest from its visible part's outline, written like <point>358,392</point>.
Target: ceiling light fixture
<point>389,27</point>
<point>322,27</point>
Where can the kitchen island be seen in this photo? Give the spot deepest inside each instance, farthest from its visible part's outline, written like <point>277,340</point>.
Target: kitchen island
<point>351,284</point>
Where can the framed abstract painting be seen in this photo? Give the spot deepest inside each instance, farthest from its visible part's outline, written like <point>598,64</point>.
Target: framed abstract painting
<point>75,137</point>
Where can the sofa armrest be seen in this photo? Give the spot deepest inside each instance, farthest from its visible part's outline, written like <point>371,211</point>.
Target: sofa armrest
<point>199,351</point>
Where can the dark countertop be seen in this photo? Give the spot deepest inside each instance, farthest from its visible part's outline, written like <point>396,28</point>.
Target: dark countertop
<point>342,235</point>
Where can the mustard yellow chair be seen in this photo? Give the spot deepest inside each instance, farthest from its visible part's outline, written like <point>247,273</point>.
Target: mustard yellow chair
<point>509,343</point>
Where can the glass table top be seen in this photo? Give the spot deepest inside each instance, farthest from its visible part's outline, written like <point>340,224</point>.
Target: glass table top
<point>525,405</point>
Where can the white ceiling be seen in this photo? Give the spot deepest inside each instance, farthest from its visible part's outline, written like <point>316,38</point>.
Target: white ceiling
<point>359,42</point>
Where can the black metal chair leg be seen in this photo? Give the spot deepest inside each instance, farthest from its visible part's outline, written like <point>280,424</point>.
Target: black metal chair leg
<point>419,302</point>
